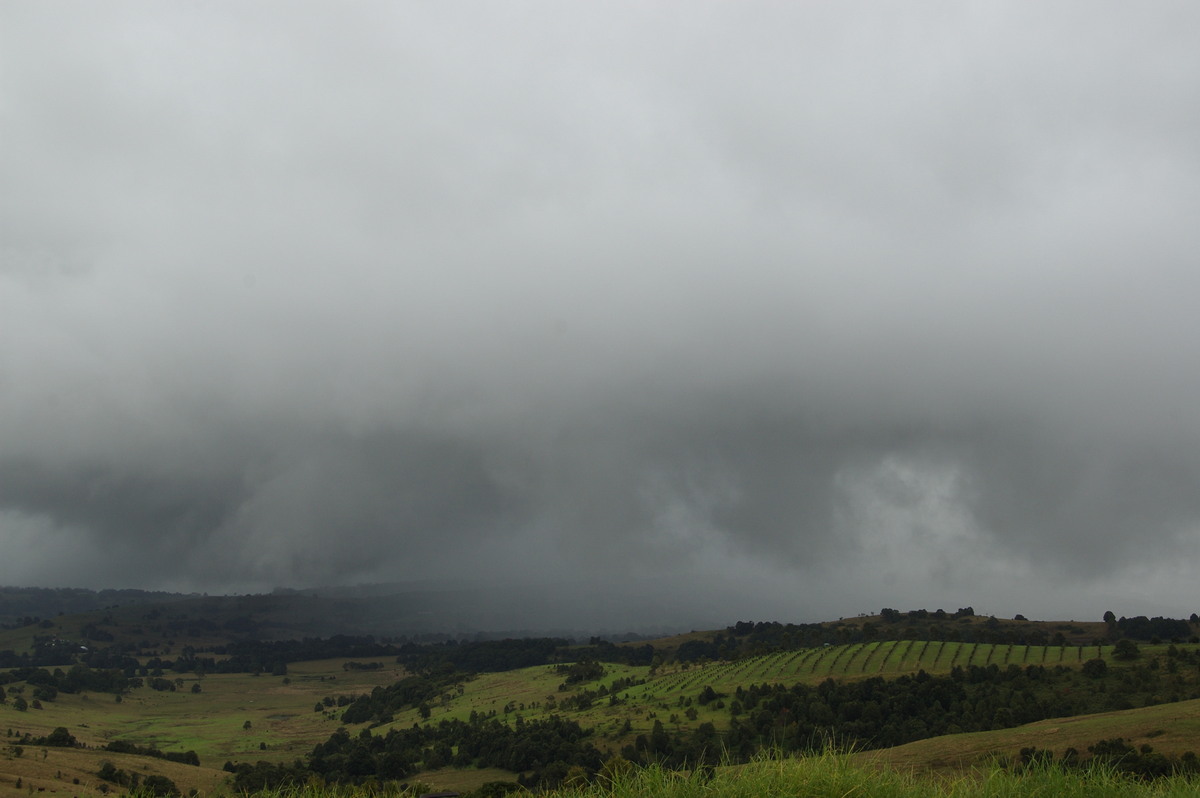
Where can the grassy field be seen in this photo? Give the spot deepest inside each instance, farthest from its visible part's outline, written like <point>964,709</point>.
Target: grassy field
<point>889,658</point>
<point>283,726</point>
<point>834,775</point>
<point>280,713</point>
<point>72,772</point>
<point>840,776</point>
<point>1168,728</point>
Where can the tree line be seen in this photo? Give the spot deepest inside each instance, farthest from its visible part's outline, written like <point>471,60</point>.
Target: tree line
<point>542,751</point>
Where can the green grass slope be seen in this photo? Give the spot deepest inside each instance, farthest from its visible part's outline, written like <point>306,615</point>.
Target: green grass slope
<point>839,776</point>
<point>1172,729</point>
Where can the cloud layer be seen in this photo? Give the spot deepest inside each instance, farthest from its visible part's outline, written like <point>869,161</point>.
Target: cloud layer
<point>811,309</point>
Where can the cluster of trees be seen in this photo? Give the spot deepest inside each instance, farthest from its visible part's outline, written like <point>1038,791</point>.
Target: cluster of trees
<point>153,786</point>
<point>577,672</point>
<point>122,747</point>
<point>876,713</point>
<point>309,648</point>
<point>17,604</point>
<point>1116,754</point>
<point>47,684</point>
<point>410,692</point>
<point>59,738</point>
<point>889,615</point>
<point>488,656</point>
<point>703,746</point>
<point>605,651</point>
<point>1142,628</point>
<point>78,678</point>
<point>543,751</point>
<point>257,656</point>
<point>584,699</point>
<point>46,651</point>
<point>329,702</point>
<point>251,656</point>
<point>880,713</point>
<point>746,638</point>
<point>492,656</point>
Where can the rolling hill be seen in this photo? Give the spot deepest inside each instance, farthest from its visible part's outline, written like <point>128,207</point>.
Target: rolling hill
<point>931,691</point>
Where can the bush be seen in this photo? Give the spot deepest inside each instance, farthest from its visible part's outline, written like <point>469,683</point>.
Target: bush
<point>159,786</point>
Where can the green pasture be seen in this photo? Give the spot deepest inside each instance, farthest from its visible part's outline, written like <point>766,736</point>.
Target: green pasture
<point>887,658</point>
<point>212,722</point>
<point>1171,728</point>
<point>72,772</point>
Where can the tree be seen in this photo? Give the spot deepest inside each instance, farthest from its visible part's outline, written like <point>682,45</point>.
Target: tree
<point>159,786</point>
<point>1109,618</point>
<point>1125,649</point>
<point>660,741</point>
<point>1095,668</point>
<point>60,737</point>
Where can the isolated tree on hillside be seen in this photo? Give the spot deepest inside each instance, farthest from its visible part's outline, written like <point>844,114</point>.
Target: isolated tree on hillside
<point>160,787</point>
<point>1125,649</point>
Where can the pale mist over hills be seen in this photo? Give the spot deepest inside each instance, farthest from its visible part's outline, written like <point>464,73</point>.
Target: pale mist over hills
<point>661,315</point>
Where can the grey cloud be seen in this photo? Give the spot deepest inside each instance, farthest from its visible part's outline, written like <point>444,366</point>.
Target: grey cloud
<point>810,299</point>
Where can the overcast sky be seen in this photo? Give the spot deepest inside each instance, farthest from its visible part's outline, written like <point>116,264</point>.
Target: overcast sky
<point>802,309</point>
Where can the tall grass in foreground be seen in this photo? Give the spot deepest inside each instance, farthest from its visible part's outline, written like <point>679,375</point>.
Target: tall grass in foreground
<point>829,775</point>
<point>836,776</point>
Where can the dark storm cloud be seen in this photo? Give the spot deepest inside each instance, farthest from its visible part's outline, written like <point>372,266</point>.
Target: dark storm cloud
<point>855,306</point>
<point>135,506</point>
